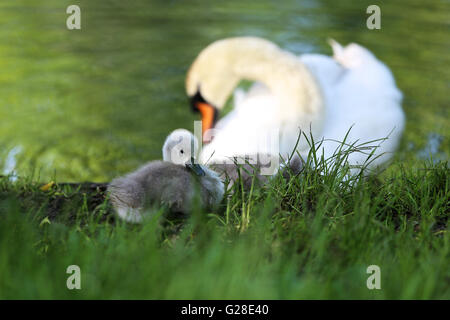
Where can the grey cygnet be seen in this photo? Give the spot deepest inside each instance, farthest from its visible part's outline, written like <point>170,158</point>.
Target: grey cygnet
<point>172,182</point>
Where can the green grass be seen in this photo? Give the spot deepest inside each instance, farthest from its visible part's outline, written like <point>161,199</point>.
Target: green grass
<point>310,237</point>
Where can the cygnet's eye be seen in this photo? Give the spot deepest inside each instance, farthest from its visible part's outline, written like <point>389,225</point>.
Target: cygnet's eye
<point>182,151</point>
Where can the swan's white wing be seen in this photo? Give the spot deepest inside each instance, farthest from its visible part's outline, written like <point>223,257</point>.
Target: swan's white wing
<point>359,91</point>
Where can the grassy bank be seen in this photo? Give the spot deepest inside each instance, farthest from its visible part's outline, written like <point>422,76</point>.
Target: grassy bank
<point>310,237</point>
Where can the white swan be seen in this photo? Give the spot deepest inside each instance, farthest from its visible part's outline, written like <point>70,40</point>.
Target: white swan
<point>268,119</point>
<point>352,88</point>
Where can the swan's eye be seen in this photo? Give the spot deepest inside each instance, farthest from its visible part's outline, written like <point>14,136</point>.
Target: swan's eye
<point>182,151</point>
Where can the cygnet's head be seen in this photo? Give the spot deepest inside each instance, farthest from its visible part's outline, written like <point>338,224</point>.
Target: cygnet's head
<point>180,146</point>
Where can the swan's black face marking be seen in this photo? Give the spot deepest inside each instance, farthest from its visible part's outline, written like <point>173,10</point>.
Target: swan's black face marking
<point>195,99</point>
<point>209,113</point>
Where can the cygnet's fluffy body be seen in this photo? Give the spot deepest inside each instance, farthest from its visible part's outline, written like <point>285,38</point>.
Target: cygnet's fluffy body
<point>173,183</point>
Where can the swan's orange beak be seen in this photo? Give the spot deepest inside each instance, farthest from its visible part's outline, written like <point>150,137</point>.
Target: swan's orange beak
<point>208,113</point>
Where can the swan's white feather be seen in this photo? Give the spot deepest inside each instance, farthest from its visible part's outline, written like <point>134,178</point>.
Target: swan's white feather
<point>359,92</point>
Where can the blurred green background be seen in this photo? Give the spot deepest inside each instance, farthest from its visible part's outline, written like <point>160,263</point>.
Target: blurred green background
<point>93,103</point>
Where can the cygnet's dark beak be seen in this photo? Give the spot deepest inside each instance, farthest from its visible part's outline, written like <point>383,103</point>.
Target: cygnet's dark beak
<point>195,168</point>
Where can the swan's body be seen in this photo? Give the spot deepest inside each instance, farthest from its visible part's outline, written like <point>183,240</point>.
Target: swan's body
<point>360,93</point>
<point>253,127</point>
<point>169,182</point>
<point>357,91</point>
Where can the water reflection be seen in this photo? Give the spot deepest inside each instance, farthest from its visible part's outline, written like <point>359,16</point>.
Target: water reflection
<point>95,103</point>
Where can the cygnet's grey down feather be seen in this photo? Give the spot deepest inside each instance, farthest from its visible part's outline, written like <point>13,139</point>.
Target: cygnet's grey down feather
<point>163,183</point>
<point>173,183</point>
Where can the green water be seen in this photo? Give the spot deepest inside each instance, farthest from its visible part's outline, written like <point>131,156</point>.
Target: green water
<point>93,103</point>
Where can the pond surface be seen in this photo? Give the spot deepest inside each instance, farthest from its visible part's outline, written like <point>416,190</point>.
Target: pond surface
<point>93,103</point>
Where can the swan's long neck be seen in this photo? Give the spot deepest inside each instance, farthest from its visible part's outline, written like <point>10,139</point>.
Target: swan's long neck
<point>286,77</point>
<point>220,67</point>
